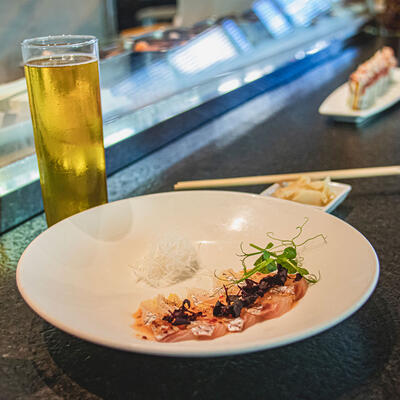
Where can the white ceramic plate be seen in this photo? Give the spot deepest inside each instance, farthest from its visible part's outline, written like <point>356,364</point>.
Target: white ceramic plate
<point>77,275</point>
<point>336,104</point>
<point>341,190</point>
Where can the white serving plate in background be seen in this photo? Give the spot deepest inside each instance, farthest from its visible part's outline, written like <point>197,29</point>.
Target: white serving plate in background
<point>336,104</point>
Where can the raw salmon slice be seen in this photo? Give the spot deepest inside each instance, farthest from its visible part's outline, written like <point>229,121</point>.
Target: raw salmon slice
<point>162,319</point>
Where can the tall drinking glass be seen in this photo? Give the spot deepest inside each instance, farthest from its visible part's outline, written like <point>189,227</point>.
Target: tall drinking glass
<point>62,76</point>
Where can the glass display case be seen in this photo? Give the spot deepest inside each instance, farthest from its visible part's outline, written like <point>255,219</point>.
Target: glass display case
<point>153,84</point>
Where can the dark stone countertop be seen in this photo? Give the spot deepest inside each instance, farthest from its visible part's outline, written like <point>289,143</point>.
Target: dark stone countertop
<point>276,132</point>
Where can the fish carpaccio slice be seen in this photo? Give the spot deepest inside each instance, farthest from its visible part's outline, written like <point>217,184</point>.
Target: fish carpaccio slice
<point>274,303</point>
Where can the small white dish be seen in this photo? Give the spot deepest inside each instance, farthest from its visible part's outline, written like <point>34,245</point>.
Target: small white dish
<point>341,190</point>
<point>78,275</point>
<point>336,104</point>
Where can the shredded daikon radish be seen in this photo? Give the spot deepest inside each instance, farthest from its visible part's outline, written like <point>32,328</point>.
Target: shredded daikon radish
<point>170,260</point>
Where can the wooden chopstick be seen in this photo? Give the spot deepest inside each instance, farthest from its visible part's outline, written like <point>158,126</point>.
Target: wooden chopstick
<point>263,179</point>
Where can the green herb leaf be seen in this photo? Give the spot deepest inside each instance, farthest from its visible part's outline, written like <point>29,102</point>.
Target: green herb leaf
<point>267,261</point>
<point>302,271</point>
<point>281,259</point>
<point>266,255</point>
<point>272,266</point>
<point>259,261</point>
<point>290,253</point>
<point>289,267</point>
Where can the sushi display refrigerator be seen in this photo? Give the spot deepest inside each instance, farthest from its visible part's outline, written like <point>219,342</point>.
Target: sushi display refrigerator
<point>160,85</point>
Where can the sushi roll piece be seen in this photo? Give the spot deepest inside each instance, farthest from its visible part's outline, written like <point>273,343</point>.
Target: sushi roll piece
<point>377,81</point>
<point>372,79</point>
<point>369,69</point>
<point>390,60</point>
<point>384,66</point>
<point>362,93</point>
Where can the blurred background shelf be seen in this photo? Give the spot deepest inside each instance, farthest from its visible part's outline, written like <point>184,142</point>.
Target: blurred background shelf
<point>161,80</point>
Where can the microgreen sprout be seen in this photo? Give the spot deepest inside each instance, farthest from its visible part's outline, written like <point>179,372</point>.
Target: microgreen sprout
<point>284,252</point>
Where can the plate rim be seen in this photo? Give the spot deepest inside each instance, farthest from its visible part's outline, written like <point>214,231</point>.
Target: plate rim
<point>173,349</point>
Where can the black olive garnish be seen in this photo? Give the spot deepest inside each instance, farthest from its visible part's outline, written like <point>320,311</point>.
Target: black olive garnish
<point>297,277</point>
<point>249,293</point>
<point>182,315</point>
